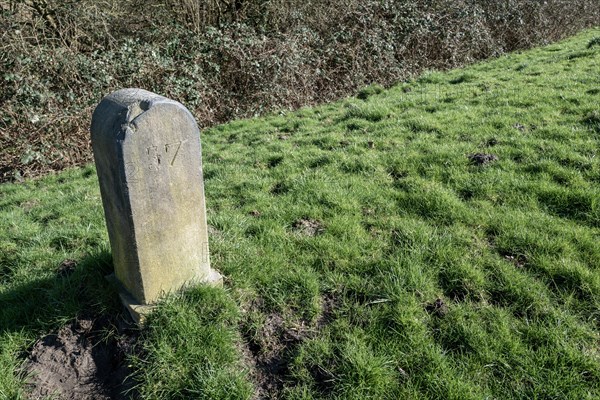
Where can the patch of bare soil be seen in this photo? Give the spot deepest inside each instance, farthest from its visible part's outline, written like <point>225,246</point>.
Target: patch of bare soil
<point>269,351</point>
<point>82,362</point>
<point>482,159</point>
<point>66,268</point>
<point>308,226</point>
<point>329,305</point>
<point>438,308</point>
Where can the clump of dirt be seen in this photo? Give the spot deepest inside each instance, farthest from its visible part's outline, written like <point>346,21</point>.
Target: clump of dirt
<point>482,158</point>
<point>520,127</point>
<point>81,362</point>
<point>269,352</point>
<point>67,267</point>
<point>269,349</point>
<point>519,260</point>
<point>491,142</point>
<point>280,188</point>
<point>438,308</point>
<point>308,227</point>
<point>329,305</point>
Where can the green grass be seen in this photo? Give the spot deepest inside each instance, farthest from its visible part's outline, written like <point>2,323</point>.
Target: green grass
<point>425,276</point>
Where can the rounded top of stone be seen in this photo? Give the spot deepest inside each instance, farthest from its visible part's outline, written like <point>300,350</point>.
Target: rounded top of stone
<point>138,100</point>
<point>134,102</point>
<point>144,98</point>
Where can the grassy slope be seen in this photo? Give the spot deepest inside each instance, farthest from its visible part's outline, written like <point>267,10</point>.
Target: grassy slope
<point>428,276</point>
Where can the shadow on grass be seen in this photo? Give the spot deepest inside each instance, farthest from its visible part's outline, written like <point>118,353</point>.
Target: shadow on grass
<point>45,303</point>
<point>82,337</point>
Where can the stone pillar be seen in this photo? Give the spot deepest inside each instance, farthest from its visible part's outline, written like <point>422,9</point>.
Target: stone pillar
<point>148,159</point>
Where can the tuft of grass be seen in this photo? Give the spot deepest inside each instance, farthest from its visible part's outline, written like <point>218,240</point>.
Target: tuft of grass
<point>594,42</point>
<point>191,344</point>
<point>370,90</point>
<point>592,120</point>
<point>432,240</point>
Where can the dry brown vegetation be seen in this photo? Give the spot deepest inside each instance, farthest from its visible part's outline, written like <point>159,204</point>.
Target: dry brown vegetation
<point>227,59</point>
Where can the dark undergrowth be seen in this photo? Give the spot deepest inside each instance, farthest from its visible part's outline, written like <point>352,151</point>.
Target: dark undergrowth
<point>231,59</point>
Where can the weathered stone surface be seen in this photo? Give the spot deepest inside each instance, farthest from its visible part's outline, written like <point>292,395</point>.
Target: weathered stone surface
<point>148,158</point>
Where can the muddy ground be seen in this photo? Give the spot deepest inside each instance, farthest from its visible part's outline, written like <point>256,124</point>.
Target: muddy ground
<point>83,361</point>
<point>87,359</point>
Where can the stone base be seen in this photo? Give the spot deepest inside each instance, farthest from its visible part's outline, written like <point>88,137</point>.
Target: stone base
<point>214,278</point>
<point>136,310</point>
<point>139,311</point>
